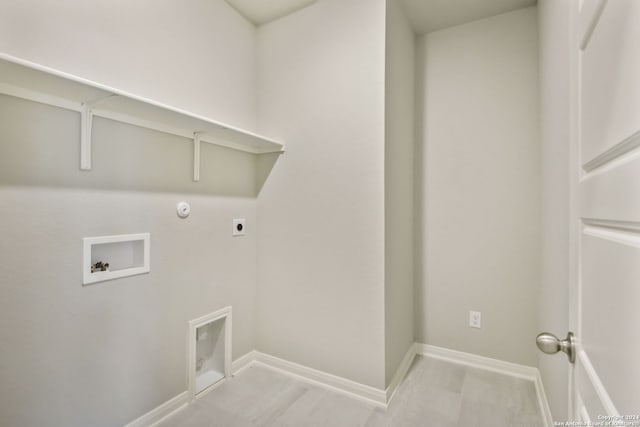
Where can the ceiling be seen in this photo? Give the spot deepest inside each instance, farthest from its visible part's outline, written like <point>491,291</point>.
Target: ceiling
<point>425,15</point>
<point>431,15</point>
<point>262,11</point>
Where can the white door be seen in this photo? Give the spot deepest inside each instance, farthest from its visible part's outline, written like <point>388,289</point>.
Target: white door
<point>605,285</point>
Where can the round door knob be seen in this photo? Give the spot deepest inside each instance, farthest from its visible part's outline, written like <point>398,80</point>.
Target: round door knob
<point>550,344</point>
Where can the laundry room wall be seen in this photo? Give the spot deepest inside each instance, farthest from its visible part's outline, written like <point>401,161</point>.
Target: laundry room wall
<point>321,247</point>
<point>104,354</point>
<point>480,186</point>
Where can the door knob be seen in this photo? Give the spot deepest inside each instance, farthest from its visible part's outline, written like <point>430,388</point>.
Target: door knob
<point>550,344</point>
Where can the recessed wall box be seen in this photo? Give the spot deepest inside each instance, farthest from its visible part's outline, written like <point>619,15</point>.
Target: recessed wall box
<point>126,255</point>
<point>209,351</point>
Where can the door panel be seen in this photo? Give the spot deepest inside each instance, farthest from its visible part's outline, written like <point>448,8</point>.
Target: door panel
<point>605,296</point>
<point>610,69</point>
<point>610,302</point>
<point>614,191</point>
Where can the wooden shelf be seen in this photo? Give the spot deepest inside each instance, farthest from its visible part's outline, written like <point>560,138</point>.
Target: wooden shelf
<point>37,83</point>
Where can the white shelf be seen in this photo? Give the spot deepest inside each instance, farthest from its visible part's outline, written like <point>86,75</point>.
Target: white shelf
<point>38,83</point>
<point>127,255</point>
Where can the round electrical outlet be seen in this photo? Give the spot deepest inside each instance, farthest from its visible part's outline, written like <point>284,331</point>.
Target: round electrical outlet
<point>239,227</point>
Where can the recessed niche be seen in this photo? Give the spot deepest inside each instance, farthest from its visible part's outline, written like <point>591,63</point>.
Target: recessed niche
<point>113,257</point>
<point>209,351</point>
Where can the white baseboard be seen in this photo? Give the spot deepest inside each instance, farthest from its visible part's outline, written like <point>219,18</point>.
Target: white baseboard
<point>168,408</point>
<point>487,363</point>
<point>401,372</point>
<point>156,415</point>
<point>356,390</point>
<point>243,362</point>
<point>353,389</point>
<point>500,366</point>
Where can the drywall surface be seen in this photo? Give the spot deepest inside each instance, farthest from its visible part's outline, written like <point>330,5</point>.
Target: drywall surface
<point>553,18</point>
<point>321,237</point>
<point>428,16</point>
<point>45,152</point>
<point>104,354</point>
<point>197,55</point>
<point>107,353</point>
<point>399,144</point>
<point>481,193</point>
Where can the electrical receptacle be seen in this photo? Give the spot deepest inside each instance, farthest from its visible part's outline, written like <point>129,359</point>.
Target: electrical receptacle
<point>239,227</point>
<point>475,319</point>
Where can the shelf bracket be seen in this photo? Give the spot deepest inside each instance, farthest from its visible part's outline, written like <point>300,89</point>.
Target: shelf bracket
<point>196,156</point>
<point>86,123</point>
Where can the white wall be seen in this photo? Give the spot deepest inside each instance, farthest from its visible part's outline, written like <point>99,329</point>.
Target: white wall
<point>321,241</point>
<point>333,250</point>
<point>104,354</point>
<point>399,144</point>
<point>480,198</point>
<point>194,54</point>
<point>553,18</point>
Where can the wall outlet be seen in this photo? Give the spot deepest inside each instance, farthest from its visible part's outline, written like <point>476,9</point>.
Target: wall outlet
<point>239,227</point>
<point>475,319</point>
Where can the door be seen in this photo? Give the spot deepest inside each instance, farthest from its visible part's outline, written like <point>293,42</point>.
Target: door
<point>605,214</point>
